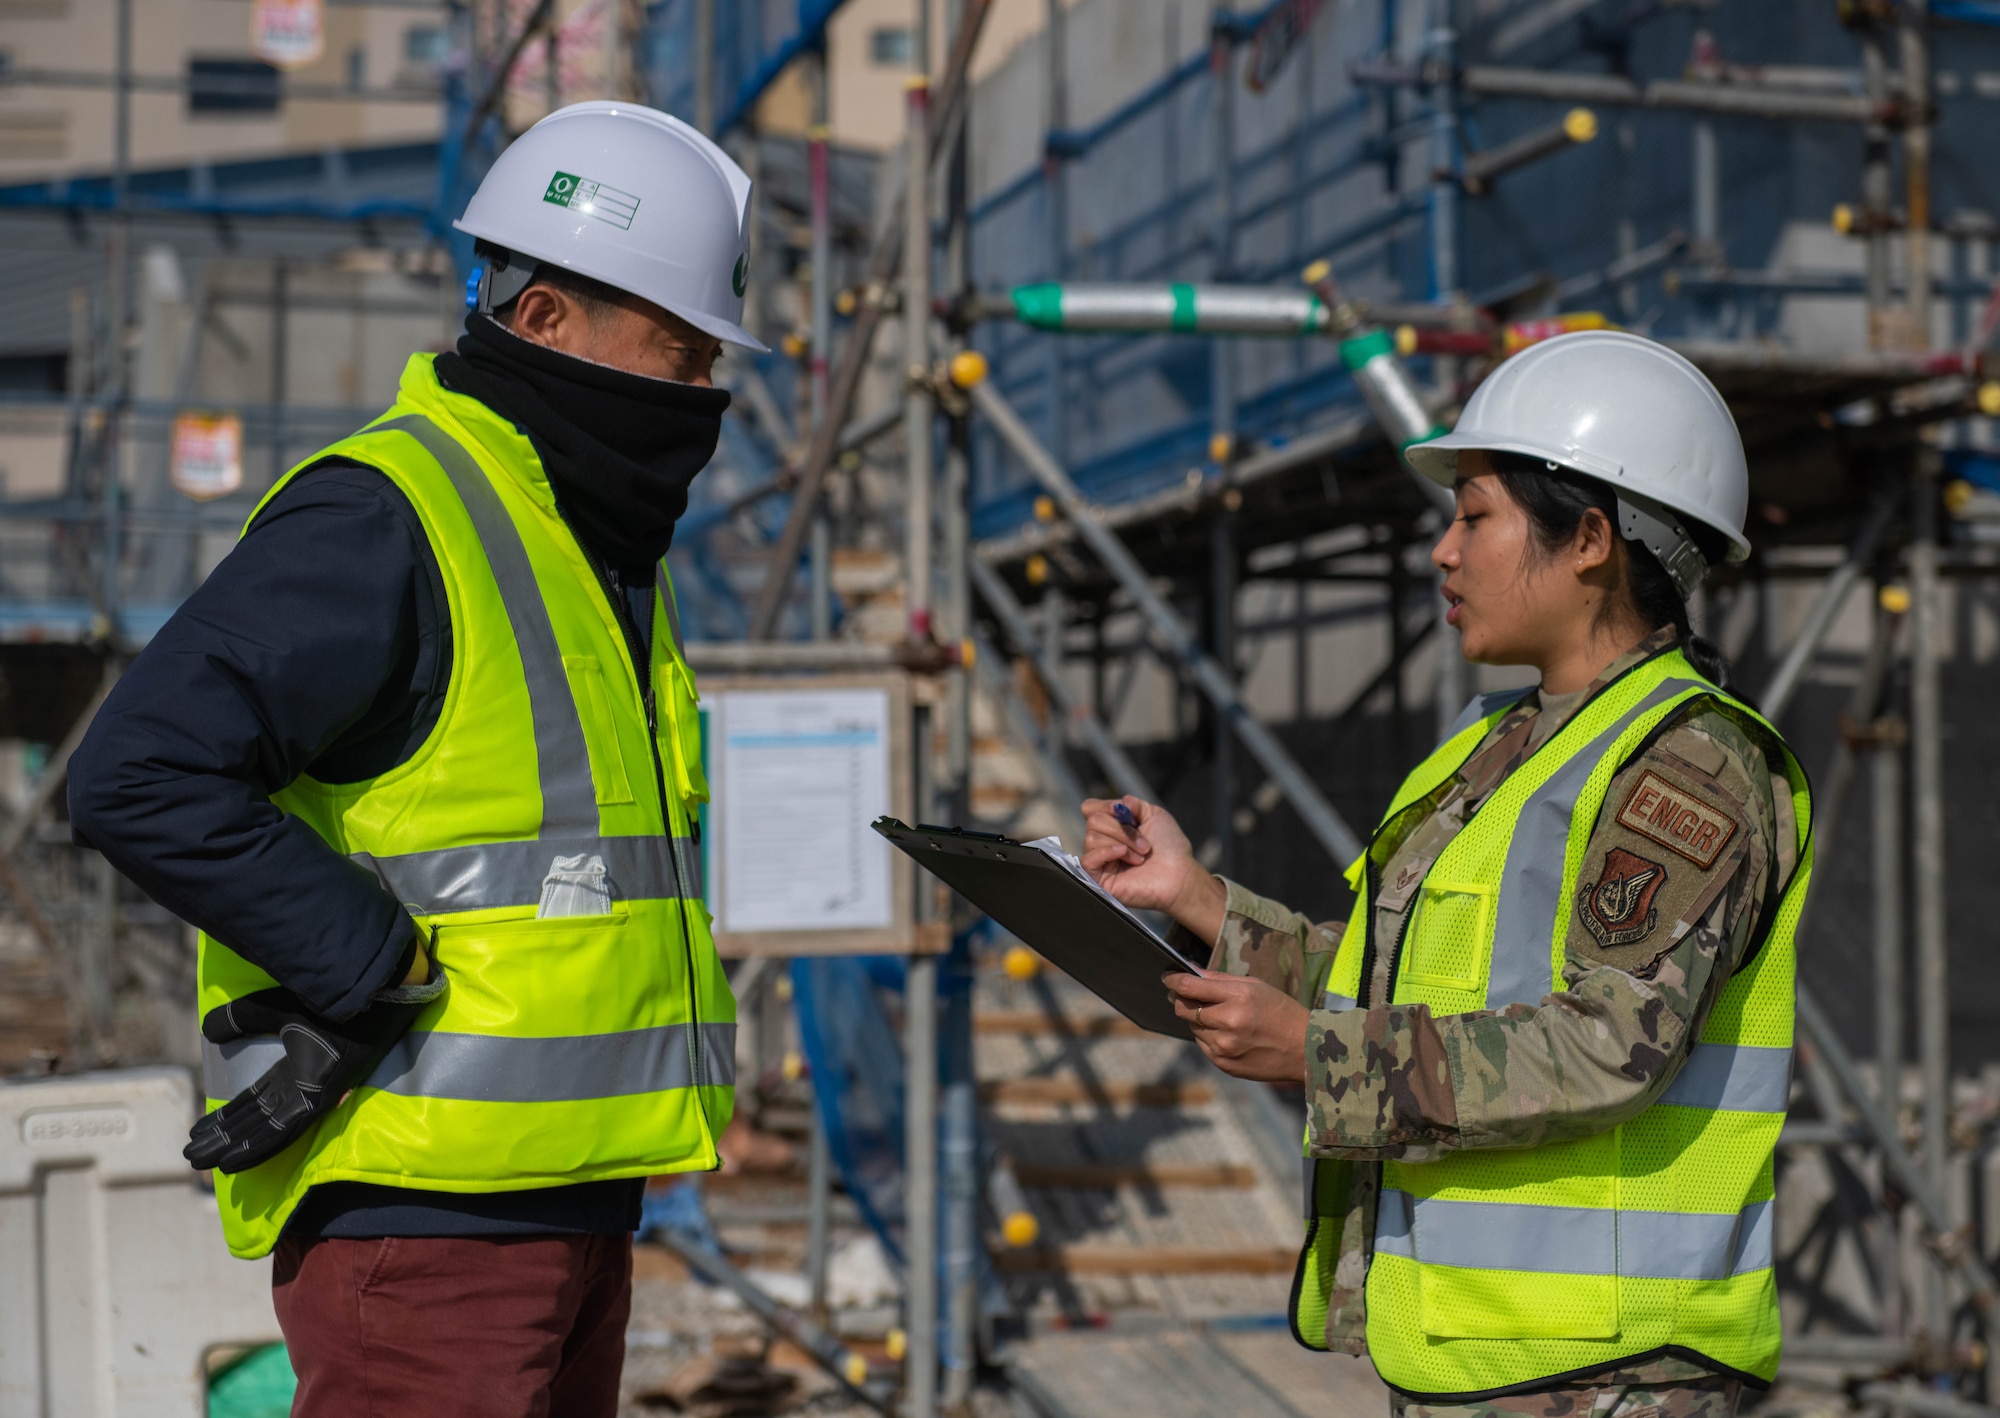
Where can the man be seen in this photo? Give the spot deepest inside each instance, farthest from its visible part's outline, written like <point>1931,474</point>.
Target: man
<point>421,766</point>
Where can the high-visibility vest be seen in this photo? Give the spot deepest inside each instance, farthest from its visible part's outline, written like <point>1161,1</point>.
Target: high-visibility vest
<point>1506,1269</point>
<point>593,1038</point>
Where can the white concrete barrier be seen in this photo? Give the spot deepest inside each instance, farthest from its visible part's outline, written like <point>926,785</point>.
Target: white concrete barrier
<point>114,1279</point>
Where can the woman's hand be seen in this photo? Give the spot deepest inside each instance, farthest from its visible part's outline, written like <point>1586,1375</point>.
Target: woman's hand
<point>1246,1028</point>
<point>1151,866</point>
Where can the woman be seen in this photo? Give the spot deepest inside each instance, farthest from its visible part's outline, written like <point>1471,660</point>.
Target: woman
<point>1547,1058</point>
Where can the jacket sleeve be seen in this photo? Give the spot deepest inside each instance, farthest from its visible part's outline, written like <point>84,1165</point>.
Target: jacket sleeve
<point>1657,924</point>
<point>1272,943</point>
<point>303,640</point>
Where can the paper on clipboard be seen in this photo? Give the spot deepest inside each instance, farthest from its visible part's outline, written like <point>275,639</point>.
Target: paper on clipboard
<point>1053,849</point>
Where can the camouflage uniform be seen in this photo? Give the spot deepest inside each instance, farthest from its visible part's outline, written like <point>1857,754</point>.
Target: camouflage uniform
<point>1615,1395</point>
<point>1656,928</point>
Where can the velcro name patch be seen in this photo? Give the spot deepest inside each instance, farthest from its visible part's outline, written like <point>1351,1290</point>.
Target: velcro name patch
<point>1677,820</point>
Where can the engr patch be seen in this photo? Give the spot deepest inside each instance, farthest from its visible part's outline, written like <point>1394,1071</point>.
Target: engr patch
<point>1677,819</point>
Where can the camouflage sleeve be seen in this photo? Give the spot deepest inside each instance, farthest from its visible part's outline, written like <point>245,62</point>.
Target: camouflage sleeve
<point>1671,887</point>
<point>1271,943</point>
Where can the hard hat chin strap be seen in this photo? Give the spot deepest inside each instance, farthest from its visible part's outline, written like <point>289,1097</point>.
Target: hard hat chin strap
<point>1663,536</point>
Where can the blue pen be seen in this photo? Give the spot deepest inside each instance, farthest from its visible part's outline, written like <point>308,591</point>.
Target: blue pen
<point>1125,815</point>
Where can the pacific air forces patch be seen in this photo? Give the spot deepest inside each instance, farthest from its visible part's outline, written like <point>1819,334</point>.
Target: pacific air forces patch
<point>1618,908</point>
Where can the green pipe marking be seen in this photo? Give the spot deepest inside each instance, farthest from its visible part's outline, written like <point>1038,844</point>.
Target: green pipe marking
<point>1183,307</point>
<point>1040,305</point>
<point>1361,349</point>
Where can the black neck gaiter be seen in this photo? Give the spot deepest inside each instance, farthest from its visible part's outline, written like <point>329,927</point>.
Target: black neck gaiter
<point>620,449</point>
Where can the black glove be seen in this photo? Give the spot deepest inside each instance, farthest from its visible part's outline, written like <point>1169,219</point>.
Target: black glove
<point>323,1059</point>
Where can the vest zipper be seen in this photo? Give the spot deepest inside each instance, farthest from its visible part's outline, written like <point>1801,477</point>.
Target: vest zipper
<point>635,647</point>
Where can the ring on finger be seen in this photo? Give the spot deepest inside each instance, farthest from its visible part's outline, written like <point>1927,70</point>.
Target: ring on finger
<point>1197,1016</point>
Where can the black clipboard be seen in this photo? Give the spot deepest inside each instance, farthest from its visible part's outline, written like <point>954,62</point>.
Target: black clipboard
<point>1042,904</point>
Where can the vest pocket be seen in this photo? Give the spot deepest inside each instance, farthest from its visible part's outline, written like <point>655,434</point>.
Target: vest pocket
<point>682,733</point>
<point>600,730</point>
<point>1446,943</point>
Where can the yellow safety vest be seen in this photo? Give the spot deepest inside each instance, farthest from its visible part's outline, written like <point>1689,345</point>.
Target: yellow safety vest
<point>568,1047</point>
<point>1499,1270</point>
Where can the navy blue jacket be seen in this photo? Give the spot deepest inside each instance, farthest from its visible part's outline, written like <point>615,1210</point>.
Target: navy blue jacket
<point>321,644</point>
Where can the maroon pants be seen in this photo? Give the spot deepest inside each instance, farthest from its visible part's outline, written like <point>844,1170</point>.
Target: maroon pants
<point>455,1327</point>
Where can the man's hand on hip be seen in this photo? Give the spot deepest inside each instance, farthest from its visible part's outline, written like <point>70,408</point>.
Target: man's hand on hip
<point>324,1058</point>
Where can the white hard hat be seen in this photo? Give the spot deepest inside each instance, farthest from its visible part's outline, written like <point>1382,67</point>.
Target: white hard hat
<point>1624,409</point>
<point>631,197</point>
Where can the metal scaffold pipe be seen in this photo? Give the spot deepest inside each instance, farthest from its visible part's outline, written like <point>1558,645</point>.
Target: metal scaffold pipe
<point>1692,95</point>
<point>920,993</point>
<point>1613,91</point>
<point>1927,826</point>
<point>1319,815</point>
<point>1908,1175</point>
<point>1056,779</point>
<point>947,100</point>
<point>1917,167</point>
<point>916,355</point>
<point>1477,173</point>
<point>1777,695</point>
<point>1180,308</point>
<point>1111,757</point>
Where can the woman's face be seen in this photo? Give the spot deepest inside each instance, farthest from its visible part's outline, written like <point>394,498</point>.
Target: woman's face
<point>1509,600</point>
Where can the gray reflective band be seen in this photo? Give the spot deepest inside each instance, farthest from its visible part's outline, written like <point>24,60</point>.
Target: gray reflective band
<point>1531,884</point>
<point>1479,707</point>
<point>1644,1245</point>
<point>569,796</point>
<point>1734,1077</point>
<point>1330,1000</point>
<point>510,873</point>
<point>490,1069</point>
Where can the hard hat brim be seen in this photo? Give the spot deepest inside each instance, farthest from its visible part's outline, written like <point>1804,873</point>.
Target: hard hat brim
<point>1437,459</point>
<point>727,331</point>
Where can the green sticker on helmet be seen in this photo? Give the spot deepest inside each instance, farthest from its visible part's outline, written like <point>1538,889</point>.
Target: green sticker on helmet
<point>592,199</point>
<point>740,277</point>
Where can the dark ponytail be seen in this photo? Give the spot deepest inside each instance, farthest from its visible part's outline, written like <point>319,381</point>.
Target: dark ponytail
<point>1556,499</point>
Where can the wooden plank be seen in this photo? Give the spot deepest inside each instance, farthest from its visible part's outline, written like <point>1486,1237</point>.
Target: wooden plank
<point>1070,1090</point>
<point>1035,1022</point>
<point>1145,1260</point>
<point>1109,1177</point>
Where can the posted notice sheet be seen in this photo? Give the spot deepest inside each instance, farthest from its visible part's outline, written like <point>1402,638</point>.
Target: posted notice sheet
<point>803,774</point>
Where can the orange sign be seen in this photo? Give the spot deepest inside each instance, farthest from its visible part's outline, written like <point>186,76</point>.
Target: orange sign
<point>287,33</point>
<point>208,455</point>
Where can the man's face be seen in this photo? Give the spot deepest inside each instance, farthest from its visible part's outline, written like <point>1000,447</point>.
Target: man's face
<point>635,335</point>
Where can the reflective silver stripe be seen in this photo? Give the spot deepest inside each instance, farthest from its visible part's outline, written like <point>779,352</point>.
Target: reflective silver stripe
<point>1478,707</point>
<point>569,796</point>
<point>1736,1077</point>
<point>510,873</point>
<point>1524,922</point>
<point>489,1069</point>
<point>687,853</point>
<point>1646,1245</point>
<point>1330,1000</point>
